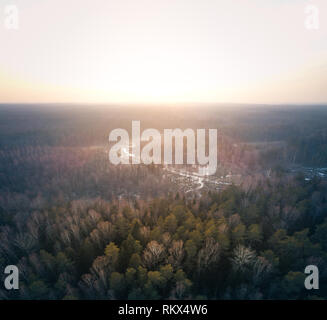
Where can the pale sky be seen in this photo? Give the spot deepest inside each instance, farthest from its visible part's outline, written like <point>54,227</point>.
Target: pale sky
<point>167,51</point>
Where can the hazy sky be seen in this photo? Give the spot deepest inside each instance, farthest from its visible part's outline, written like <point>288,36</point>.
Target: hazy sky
<point>250,51</point>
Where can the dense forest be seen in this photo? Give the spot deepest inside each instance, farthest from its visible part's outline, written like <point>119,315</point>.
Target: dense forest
<point>79,227</point>
<point>230,245</point>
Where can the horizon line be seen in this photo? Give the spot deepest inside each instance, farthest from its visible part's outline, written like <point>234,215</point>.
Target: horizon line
<point>169,103</point>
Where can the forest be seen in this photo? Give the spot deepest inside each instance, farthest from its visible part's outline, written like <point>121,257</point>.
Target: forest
<point>78,227</point>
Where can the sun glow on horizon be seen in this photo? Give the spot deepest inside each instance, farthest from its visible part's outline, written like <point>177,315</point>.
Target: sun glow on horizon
<point>163,52</point>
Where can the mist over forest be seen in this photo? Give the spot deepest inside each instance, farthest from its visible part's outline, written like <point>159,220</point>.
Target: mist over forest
<point>79,227</point>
